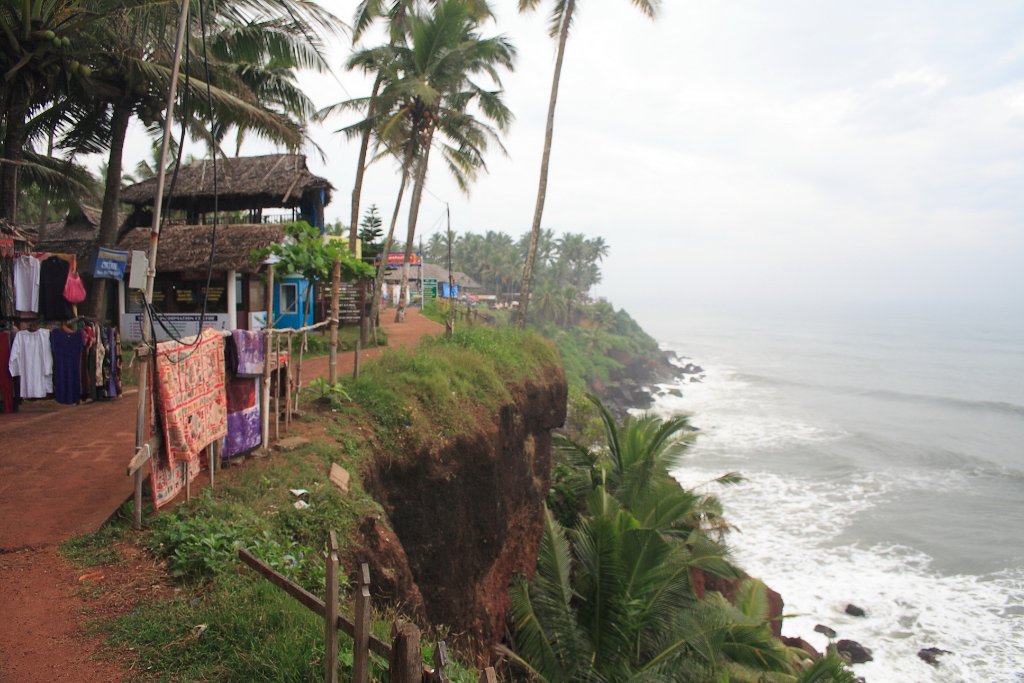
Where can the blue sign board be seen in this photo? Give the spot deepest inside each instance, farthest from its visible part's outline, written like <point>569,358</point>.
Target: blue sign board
<point>110,263</point>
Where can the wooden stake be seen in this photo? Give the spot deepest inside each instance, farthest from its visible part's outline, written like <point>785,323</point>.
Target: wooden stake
<point>267,348</point>
<point>209,462</point>
<point>288,388</point>
<point>331,612</point>
<point>488,676</point>
<point>361,638</point>
<point>406,662</point>
<point>355,366</point>
<point>277,387</point>
<point>440,662</point>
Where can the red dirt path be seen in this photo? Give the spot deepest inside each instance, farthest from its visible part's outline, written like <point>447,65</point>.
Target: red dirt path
<point>62,473</point>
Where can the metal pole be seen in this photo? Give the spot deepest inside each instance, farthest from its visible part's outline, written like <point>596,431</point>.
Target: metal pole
<point>154,239</point>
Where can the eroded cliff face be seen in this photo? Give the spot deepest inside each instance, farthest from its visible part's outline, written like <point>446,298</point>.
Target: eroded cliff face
<point>467,514</point>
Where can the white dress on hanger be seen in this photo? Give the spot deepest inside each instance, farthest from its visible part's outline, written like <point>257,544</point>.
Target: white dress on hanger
<point>32,359</point>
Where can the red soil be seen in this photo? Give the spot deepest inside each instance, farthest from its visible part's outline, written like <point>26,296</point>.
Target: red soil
<point>62,473</point>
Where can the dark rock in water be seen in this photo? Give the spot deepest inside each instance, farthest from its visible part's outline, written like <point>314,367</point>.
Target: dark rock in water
<point>854,652</point>
<point>932,654</point>
<point>825,630</point>
<point>803,645</point>
<point>675,392</point>
<point>695,379</point>
<point>855,611</point>
<point>691,369</point>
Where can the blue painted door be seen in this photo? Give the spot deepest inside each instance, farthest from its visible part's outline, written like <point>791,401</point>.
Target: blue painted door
<point>290,296</point>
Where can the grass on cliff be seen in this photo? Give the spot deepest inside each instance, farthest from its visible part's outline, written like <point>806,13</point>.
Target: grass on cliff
<point>432,391</point>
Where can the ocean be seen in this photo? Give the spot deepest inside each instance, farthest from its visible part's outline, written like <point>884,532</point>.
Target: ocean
<point>883,452</point>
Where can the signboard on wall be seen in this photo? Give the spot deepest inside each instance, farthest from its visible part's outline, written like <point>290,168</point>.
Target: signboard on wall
<point>181,324</point>
<point>110,263</point>
<point>397,258</point>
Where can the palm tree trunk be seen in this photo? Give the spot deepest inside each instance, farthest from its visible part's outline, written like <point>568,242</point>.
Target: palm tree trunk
<point>364,146</point>
<point>378,280</point>
<point>111,198</point>
<point>414,212</point>
<point>542,190</point>
<point>14,147</point>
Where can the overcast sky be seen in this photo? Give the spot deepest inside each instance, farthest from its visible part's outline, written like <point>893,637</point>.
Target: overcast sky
<point>797,150</point>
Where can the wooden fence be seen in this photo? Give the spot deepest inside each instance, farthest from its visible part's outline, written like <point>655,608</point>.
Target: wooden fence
<point>405,660</point>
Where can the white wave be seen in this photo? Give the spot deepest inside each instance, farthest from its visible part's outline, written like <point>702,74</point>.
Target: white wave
<point>787,526</point>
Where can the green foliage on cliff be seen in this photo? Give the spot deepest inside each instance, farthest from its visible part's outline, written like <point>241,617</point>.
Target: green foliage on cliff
<point>432,390</point>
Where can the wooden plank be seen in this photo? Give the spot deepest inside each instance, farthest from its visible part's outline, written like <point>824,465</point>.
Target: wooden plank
<point>331,612</point>
<point>440,662</point>
<point>361,638</point>
<point>143,454</point>
<point>311,602</point>
<point>304,597</point>
<point>488,676</point>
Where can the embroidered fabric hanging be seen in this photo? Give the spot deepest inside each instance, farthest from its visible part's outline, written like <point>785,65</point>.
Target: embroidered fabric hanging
<point>190,396</point>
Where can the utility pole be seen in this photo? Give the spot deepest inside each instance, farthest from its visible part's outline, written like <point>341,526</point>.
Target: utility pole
<point>154,240</point>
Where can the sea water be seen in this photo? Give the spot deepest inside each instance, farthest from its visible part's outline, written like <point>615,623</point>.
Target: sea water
<point>883,452</point>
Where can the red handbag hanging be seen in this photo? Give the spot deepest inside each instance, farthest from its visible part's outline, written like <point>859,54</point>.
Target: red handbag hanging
<point>74,290</point>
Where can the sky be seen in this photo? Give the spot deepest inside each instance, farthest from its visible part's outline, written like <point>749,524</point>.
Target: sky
<point>800,151</point>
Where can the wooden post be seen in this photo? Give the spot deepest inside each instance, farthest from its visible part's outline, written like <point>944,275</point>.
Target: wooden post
<point>288,388</point>
<point>355,366</point>
<point>277,387</point>
<point>406,662</point>
<point>440,662</point>
<point>361,637</point>
<point>331,612</point>
<point>210,461</point>
<point>488,676</point>
<point>265,404</point>
<point>298,370</point>
<point>332,359</point>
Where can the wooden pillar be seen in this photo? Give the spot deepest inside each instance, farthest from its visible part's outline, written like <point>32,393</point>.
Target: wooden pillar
<point>355,365</point>
<point>277,387</point>
<point>361,637</point>
<point>288,388</point>
<point>232,301</point>
<point>331,612</point>
<point>267,337</point>
<point>406,662</point>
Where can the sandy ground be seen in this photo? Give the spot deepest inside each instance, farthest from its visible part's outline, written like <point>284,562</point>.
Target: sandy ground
<point>62,473</point>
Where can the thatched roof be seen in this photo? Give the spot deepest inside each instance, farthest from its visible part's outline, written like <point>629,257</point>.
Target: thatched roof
<point>430,270</point>
<point>271,181</point>
<point>187,247</point>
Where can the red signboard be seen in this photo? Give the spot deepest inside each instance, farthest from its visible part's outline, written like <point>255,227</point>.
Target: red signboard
<point>398,258</point>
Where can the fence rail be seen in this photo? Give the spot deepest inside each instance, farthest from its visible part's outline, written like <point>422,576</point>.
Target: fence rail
<point>405,660</point>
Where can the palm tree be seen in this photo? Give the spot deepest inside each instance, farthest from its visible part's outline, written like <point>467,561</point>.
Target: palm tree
<point>428,89</point>
<point>561,21</point>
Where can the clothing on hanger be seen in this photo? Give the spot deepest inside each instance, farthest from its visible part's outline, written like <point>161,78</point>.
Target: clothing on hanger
<point>32,360</point>
<point>67,365</point>
<point>26,284</point>
<point>53,275</point>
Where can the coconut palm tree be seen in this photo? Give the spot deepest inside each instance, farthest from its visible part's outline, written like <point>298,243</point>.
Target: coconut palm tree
<point>561,22</point>
<point>429,91</point>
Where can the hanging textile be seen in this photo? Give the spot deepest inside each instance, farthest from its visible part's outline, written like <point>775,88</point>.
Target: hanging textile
<point>26,284</point>
<point>244,423</point>
<point>67,365</point>
<point>246,353</point>
<point>32,361</point>
<point>190,394</point>
<point>112,362</point>
<point>8,398</point>
<point>53,276</point>
<point>7,294</point>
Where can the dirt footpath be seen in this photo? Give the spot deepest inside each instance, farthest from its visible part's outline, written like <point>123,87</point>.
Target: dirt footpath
<point>62,473</point>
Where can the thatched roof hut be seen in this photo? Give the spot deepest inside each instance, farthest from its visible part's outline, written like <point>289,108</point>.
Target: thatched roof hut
<point>77,234</point>
<point>187,247</point>
<point>243,184</point>
<point>430,270</point>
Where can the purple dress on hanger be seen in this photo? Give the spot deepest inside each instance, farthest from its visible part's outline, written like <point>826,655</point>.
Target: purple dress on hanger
<point>67,365</point>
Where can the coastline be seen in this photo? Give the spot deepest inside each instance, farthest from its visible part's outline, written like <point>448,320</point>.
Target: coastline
<point>800,533</point>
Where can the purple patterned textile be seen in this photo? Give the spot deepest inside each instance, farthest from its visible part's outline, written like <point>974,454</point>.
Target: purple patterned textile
<point>249,351</point>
